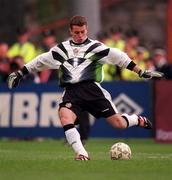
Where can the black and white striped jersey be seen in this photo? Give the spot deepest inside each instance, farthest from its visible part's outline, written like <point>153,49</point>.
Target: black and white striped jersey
<point>79,62</point>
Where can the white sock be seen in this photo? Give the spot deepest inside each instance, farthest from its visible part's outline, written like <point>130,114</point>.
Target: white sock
<point>73,138</point>
<point>132,119</point>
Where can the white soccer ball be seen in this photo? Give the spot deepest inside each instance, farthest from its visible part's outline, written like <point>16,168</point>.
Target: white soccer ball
<point>119,151</point>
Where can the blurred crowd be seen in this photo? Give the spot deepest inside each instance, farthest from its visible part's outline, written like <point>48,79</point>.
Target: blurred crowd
<point>13,58</point>
<point>130,42</point>
<point>23,50</point>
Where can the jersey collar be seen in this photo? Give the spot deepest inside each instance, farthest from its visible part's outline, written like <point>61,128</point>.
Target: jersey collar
<point>72,43</point>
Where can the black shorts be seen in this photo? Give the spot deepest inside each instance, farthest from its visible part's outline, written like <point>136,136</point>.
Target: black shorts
<point>88,96</point>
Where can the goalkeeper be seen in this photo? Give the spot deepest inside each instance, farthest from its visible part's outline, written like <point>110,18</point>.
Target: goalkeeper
<point>80,62</point>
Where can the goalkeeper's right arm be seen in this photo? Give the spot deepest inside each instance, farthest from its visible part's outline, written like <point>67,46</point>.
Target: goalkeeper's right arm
<point>41,62</point>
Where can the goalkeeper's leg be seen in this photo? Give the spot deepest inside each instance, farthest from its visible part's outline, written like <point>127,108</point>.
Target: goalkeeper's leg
<point>124,121</point>
<point>67,118</point>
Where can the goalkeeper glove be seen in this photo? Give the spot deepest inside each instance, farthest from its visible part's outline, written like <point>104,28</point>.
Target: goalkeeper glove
<point>14,79</point>
<point>145,74</point>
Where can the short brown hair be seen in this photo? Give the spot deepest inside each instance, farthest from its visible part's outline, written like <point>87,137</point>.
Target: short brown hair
<point>78,21</point>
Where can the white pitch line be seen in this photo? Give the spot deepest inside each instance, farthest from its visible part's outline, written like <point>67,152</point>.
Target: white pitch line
<point>154,155</point>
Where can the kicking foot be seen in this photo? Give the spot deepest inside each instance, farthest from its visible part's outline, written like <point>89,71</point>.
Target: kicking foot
<point>81,157</point>
<point>144,122</point>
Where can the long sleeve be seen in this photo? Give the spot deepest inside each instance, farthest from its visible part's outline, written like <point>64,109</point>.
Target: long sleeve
<point>116,57</point>
<point>42,62</point>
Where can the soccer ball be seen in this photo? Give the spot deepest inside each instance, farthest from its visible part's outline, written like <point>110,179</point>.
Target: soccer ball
<point>119,151</point>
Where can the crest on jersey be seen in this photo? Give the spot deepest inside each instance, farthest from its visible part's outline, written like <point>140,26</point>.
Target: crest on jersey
<point>75,51</point>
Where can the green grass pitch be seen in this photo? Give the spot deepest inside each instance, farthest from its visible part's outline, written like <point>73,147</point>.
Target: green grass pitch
<point>51,159</point>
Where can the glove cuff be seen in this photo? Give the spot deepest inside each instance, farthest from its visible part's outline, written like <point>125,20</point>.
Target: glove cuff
<point>140,73</point>
<point>23,72</point>
<point>20,73</point>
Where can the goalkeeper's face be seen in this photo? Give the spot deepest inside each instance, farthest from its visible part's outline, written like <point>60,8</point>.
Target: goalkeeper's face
<point>79,33</point>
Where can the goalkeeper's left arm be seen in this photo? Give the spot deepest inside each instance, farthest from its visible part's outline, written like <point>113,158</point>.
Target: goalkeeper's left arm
<point>121,59</point>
